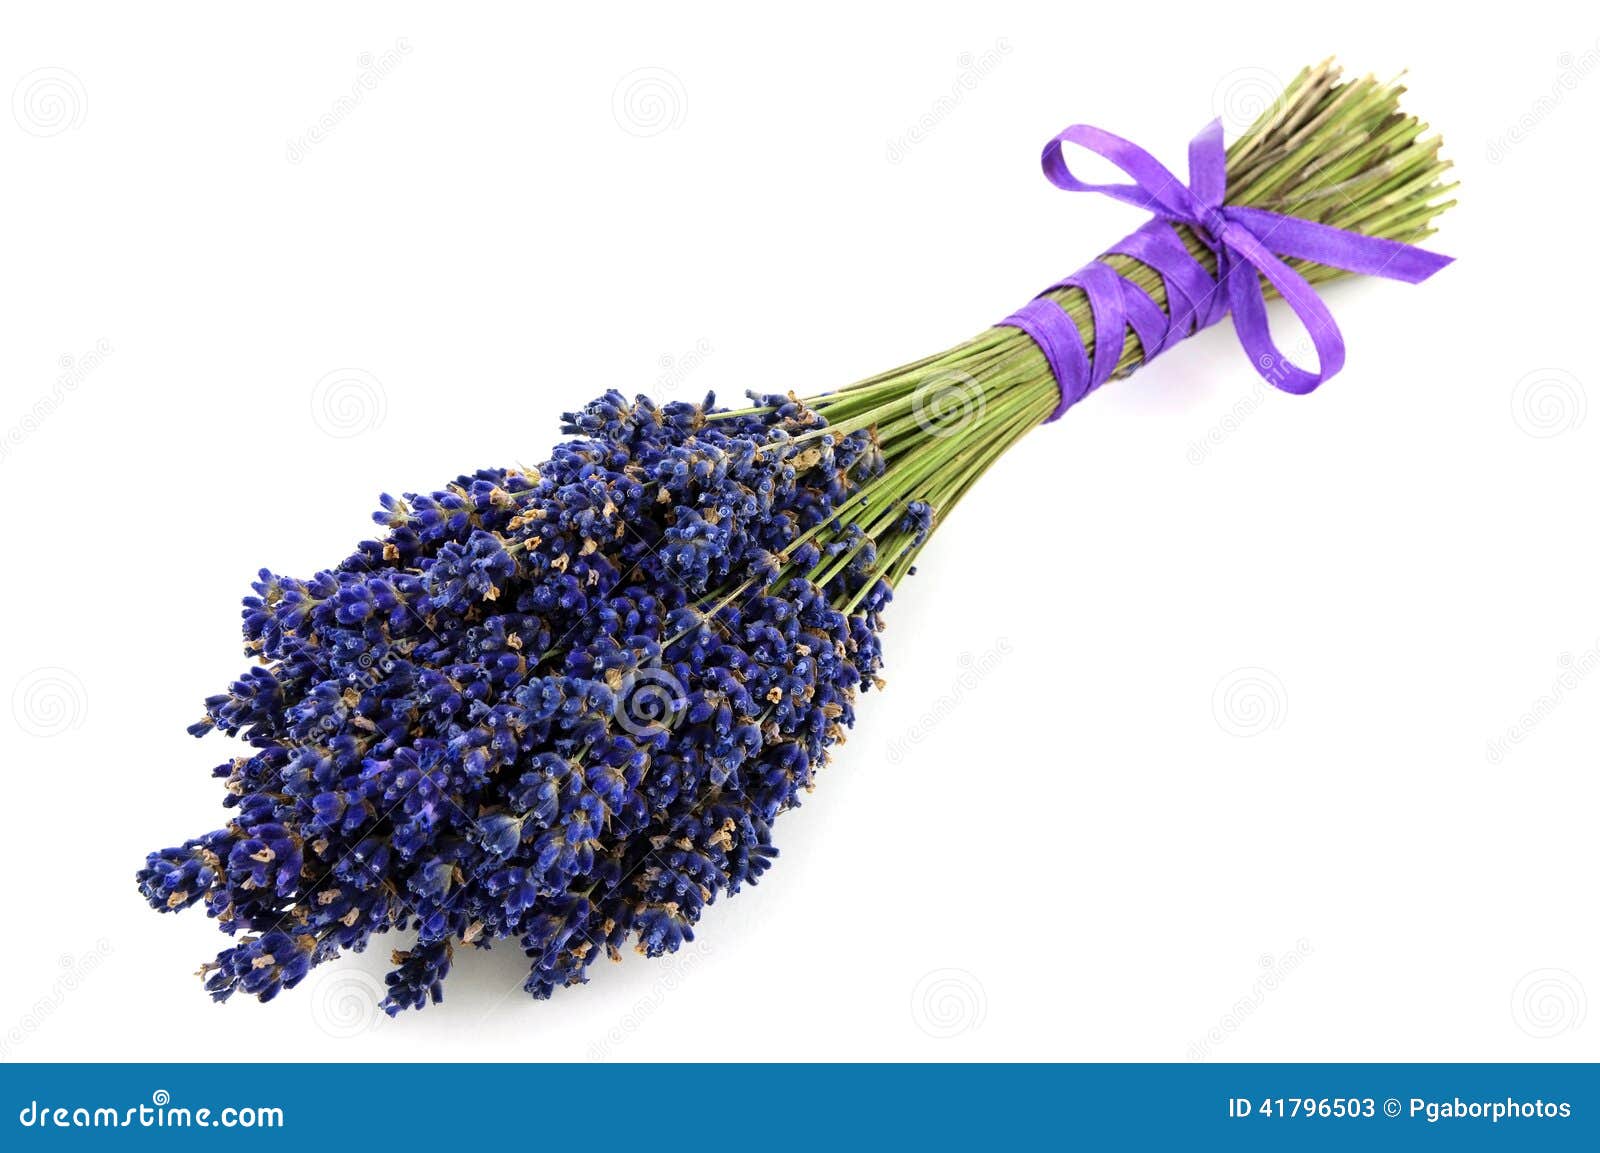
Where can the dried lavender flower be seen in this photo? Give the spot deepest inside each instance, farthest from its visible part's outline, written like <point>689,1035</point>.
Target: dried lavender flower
<point>564,706</point>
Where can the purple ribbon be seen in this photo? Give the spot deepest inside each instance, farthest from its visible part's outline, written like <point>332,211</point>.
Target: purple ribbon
<point>1250,239</point>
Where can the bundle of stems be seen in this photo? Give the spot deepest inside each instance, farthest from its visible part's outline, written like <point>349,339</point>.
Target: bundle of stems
<point>1335,152</point>
<point>564,706</point>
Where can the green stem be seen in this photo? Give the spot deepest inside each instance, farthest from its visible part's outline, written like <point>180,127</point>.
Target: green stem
<point>1335,152</point>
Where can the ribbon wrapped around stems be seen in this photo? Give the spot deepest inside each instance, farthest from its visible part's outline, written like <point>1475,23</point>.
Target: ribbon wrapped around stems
<point>1246,242</point>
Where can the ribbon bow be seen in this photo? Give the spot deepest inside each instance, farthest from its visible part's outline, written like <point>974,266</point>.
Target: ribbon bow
<point>1246,241</point>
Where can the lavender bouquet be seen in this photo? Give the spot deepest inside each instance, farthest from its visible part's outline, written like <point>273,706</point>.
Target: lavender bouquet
<point>564,706</point>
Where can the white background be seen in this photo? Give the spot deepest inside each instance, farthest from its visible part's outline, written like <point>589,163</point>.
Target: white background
<point>1185,752</point>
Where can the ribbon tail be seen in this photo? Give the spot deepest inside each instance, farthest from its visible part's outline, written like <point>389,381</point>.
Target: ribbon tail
<point>1368,255</point>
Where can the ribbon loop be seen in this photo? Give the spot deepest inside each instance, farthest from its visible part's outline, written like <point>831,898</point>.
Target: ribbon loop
<point>1154,189</point>
<point>1250,244</point>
